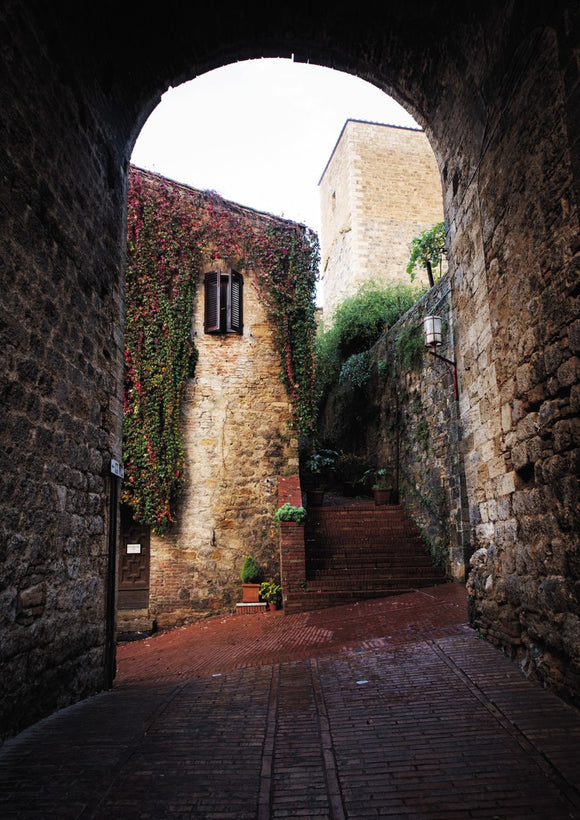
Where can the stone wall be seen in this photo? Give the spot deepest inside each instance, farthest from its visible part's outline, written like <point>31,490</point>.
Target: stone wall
<point>61,380</point>
<point>237,442</point>
<point>418,418</point>
<point>406,418</point>
<point>519,364</point>
<point>380,189</point>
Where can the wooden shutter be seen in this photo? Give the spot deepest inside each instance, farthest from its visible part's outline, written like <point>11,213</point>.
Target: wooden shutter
<point>235,302</point>
<point>212,302</point>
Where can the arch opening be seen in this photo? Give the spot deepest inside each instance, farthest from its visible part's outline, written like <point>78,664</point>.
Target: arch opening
<point>495,88</point>
<point>306,110</point>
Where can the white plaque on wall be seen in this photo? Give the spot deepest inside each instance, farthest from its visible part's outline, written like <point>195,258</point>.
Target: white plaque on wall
<point>133,549</point>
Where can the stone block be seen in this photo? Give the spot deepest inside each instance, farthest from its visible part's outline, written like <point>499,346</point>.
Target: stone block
<point>569,372</point>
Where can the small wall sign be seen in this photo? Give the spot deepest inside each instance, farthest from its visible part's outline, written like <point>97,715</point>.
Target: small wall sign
<point>117,469</point>
<point>133,549</point>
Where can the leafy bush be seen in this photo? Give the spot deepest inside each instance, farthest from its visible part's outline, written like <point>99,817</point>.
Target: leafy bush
<point>351,467</point>
<point>410,348</point>
<point>271,592</point>
<point>251,571</point>
<point>360,320</point>
<point>357,369</point>
<point>357,324</point>
<point>427,251</point>
<point>378,478</point>
<point>287,512</point>
<point>322,462</point>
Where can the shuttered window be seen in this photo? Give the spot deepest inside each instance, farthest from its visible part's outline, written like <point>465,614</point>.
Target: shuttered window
<point>235,302</point>
<point>224,303</point>
<point>212,302</point>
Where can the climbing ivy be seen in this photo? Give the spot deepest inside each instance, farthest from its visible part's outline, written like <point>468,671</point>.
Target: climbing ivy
<point>172,231</point>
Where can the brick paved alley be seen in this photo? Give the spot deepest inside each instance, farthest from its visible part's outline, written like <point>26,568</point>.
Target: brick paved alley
<point>387,708</point>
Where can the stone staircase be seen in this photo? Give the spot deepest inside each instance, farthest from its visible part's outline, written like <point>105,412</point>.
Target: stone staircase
<point>360,551</point>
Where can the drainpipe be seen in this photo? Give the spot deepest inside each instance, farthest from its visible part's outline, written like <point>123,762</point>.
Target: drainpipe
<point>117,473</point>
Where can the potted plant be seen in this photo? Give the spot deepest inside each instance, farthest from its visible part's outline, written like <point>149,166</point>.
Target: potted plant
<point>350,467</point>
<point>318,470</point>
<point>288,512</point>
<point>383,487</point>
<point>272,594</point>
<point>251,576</point>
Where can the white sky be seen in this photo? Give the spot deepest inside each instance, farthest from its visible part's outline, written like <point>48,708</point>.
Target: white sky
<point>260,132</point>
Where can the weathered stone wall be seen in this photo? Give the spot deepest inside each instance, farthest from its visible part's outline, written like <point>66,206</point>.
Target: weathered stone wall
<point>406,418</point>
<point>237,442</point>
<point>381,188</point>
<point>517,321</point>
<point>418,418</point>
<point>60,386</point>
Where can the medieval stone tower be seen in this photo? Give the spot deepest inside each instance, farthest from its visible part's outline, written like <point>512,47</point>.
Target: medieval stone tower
<point>380,188</point>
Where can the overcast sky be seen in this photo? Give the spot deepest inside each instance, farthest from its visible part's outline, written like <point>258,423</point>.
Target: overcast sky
<point>260,132</point>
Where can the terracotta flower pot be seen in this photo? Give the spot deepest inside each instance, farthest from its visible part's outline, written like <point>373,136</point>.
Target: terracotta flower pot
<point>250,593</point>
<point>382,495</point>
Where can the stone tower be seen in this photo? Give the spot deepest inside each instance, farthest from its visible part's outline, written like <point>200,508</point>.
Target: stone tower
<point>380,188</point>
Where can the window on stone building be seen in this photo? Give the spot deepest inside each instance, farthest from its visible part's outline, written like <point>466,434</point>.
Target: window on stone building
<point>224,306</point>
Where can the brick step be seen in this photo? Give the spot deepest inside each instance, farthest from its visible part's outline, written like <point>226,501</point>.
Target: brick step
<point>344,576</point>
<point>364,541</point>
<point>370,564</point>
<point>364,552</point>
<point>361,524</point>
<point>362,547</point>
<point>356,509</point>
<point>383,571</point>
<point>367,546</point>
<point>379,518</point>
<point>385,567</point>
<point>309,601</point>
<point>360,552</point>
<point>379,521</point>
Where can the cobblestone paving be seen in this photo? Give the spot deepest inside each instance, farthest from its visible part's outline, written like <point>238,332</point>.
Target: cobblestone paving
<point>391,708</point>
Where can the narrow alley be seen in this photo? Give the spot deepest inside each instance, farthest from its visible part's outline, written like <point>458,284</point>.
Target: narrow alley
<point>388,708</point>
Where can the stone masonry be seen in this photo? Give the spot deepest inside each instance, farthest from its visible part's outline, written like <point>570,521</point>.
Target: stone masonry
<point>237,441</point>
<point>406,418</point>
<point>380,188</point>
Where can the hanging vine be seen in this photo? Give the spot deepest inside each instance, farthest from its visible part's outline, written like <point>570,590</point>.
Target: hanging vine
<point>171,232</point>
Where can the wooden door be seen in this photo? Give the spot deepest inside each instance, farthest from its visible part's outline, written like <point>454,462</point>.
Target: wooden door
<point>133,577</point>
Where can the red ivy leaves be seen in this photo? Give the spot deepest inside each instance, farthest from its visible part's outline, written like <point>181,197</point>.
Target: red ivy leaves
<point>170,231</point>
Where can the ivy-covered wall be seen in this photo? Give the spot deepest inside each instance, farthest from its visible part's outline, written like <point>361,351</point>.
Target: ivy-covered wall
<point>211,419</point>
<point>418,418</point>
<point>237,432</point>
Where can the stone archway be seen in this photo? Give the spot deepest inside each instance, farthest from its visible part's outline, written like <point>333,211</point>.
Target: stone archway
<point>497,94</point>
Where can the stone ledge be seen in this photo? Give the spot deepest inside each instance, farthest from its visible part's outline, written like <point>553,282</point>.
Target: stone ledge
<point>251,609</point>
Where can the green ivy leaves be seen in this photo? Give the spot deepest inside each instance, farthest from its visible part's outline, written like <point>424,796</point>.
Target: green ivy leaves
<point>171,232</point>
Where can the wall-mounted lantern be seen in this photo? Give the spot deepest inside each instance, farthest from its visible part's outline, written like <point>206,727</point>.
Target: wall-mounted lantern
<point>432,329</point>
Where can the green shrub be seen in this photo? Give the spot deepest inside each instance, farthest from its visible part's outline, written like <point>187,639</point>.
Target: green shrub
<point>322,463</point>
<point>357,369</point>
<point>251,571</point>
<point>287,512</point>
<point>360,320</point>
<point>271,592</point>
<point>410,348</point>
<point>357,325</point>
<point>350,467</point>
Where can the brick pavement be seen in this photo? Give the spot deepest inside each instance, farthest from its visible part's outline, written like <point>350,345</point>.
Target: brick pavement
<point>391,708</point>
